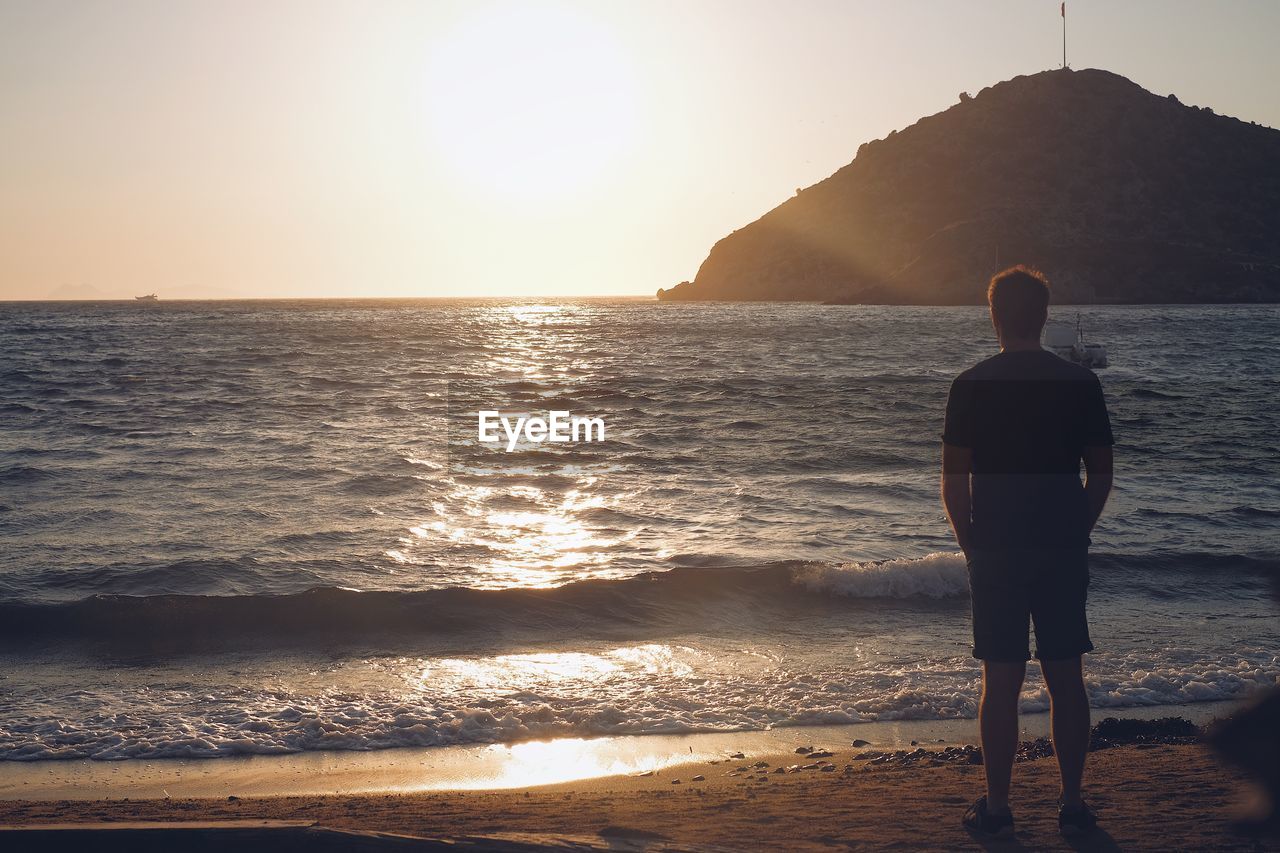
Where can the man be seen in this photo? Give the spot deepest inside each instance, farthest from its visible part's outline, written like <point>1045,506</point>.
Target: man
<point>1017,427</point>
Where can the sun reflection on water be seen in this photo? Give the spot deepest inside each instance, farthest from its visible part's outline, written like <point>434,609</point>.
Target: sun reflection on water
<point>544,762</point>
<point>549,762</point>
<point>518,343</point>
<point>517,672</point>
<point>524,535</point>
<point>540,517</point>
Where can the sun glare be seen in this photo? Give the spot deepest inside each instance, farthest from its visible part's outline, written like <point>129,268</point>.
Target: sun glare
<point>530,104</point>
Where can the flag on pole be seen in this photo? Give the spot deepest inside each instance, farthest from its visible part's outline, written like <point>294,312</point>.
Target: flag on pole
<point>1064,8</point>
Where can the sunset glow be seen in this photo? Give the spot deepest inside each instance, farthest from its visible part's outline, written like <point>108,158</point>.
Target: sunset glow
<point>530,105</point>
<point>448,148</point>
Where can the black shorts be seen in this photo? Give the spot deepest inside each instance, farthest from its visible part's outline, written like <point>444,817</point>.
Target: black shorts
<point>1046,586</point>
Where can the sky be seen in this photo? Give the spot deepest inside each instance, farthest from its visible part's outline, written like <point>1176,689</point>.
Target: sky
<point>429,148</point>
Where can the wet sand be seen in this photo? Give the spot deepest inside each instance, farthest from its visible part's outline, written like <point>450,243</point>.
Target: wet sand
<point>1150,797</point>
<point>484,766</point>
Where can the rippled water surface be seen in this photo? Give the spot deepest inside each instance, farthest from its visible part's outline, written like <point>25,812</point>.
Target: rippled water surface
<point>267,526</point>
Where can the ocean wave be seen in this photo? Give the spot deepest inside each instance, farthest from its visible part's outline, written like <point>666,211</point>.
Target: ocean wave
<point>939,575</point>
<point>1260,512</point>
<point>697,593</point>
<point>686,596</point>
<point>186,721</point>
<point>1152,394</point>
<point>19,474</point>
<point>382,485</point>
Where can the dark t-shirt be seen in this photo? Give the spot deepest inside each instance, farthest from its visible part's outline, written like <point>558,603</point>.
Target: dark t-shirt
<point>1027,416</point>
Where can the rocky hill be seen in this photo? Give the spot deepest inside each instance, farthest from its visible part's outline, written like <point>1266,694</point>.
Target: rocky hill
<point>1118,194</point>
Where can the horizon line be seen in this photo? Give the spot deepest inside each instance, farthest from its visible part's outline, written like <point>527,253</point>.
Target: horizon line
<point>131,299</point>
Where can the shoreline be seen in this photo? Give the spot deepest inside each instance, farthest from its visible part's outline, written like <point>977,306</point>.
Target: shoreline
<point>495,767</point>
<point>1151,796</point>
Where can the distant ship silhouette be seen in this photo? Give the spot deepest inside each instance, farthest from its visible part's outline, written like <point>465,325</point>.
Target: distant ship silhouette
<point>150,297</point>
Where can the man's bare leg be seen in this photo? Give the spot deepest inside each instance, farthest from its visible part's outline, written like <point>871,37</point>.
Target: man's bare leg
<point>1070,712</point>
<point>998,726</point>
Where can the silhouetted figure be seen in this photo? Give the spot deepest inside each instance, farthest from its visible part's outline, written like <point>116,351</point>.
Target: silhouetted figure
<point>1017,427</point>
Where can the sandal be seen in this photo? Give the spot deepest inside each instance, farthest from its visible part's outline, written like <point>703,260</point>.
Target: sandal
<point>1078,821</point>
<point>980,821</point>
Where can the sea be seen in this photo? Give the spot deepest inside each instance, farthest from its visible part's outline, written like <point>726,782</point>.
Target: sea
<point>262,527</point>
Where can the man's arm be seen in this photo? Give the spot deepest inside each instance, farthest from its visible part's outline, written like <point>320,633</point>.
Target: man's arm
<point>956,465</point>
<point>1098,477</point>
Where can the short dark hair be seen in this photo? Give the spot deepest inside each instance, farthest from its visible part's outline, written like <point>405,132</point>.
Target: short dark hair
<point>1019,299</point>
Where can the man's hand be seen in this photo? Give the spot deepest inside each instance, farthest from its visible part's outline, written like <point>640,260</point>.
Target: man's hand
<point>1098,477</point>
<point>957,462</point>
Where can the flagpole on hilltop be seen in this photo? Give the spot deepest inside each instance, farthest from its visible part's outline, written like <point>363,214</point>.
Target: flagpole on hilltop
<point>1063,9</point>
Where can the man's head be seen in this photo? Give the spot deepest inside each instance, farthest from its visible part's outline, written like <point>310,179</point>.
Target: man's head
<point>1019,299</point>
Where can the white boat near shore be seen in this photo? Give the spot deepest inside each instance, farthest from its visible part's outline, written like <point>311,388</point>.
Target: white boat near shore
<point>1068,342</point>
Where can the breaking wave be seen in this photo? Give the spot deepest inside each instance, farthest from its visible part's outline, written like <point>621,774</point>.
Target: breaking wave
<point>939,575</point>
<point>645,601</point>
<point>642,605</point>
<point>187,723</point>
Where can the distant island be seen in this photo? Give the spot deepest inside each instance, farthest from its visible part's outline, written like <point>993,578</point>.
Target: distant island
<point>1118,194</point>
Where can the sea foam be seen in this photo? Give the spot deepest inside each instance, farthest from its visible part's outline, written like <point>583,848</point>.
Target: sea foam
<point>937,575</point>
<point>115,723</point>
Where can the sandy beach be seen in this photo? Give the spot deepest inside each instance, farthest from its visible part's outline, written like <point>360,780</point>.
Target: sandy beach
<point>1150,796</point>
